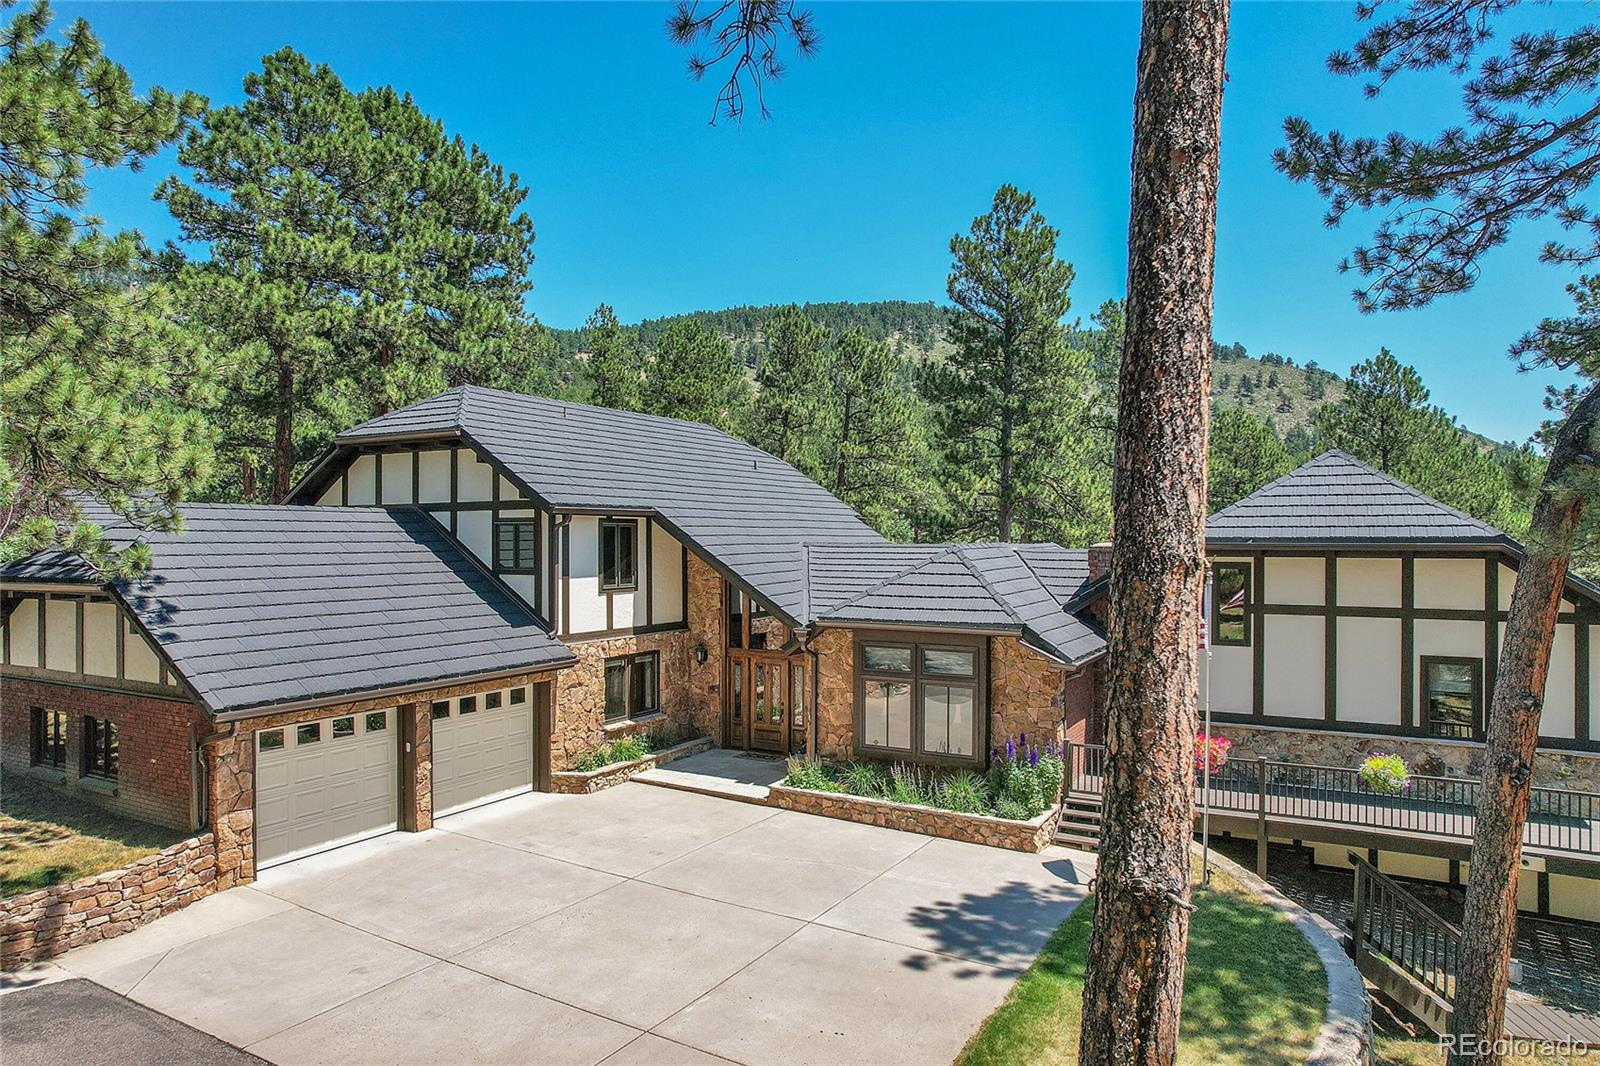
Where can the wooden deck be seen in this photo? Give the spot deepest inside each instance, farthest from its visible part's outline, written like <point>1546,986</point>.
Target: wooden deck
<point>1529,1018</point>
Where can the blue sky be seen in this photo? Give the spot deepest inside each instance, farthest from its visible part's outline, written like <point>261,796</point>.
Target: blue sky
<point>880,148</point>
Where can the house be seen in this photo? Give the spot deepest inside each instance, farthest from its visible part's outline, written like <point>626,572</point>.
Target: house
<point>468,594</point>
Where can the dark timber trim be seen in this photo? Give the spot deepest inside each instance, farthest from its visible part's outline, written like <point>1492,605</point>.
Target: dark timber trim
<point>1258,643</point>
<point>1408,642</point>
<point>1580,683</point>
<point>1330,638</point>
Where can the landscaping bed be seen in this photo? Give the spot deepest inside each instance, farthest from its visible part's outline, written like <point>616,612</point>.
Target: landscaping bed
<point>1013,805</point>
<point>615,762</point>
<point>47,837</point>
<point>1253,992</point>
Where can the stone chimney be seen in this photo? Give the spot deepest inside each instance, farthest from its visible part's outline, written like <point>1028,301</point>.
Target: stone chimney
<point>1099,559</point>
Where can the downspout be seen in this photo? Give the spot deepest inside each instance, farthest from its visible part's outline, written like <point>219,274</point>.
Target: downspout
<point>200,774</point>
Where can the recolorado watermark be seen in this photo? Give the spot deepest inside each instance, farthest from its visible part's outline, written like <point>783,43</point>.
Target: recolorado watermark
<point>1470,1045</point>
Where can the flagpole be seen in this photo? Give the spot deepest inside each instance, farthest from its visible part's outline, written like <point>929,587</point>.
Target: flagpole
<point>1205,704</point>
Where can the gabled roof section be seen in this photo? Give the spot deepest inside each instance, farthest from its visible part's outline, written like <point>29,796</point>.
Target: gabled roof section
<point>750,512</point>
<point>265,606</point>
<point>1010,587</point>
<point>1338,500</point>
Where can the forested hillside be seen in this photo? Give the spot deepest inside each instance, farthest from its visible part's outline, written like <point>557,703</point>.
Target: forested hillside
<point>1275,389</point>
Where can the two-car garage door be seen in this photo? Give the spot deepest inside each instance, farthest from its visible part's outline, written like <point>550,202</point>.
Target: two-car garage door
<point>337,780</point>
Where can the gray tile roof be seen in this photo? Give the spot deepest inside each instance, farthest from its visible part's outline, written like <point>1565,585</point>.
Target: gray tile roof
<point>1338,500</point>
<point>747,510</point>
<point>258,606</point>
<point>1015,587</point>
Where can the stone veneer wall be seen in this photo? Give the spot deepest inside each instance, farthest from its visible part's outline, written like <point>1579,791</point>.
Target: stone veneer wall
<point>690,692</point>
<point>1027,693</point>
<point>52,920</point>
<point>1552,769</point>
<point>581,783</point>
<point>1032,836</point>
<point>836,696</point>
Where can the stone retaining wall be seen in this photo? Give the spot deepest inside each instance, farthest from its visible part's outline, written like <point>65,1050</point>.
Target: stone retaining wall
<point>1033,836</point>
<point>582,782</point>
<point>52,920</point>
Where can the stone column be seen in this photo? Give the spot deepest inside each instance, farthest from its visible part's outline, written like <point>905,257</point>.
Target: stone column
<point>232,801</point>
<point>416,766</point>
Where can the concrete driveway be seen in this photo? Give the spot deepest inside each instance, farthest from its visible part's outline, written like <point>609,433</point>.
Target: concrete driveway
<point>637,925</point>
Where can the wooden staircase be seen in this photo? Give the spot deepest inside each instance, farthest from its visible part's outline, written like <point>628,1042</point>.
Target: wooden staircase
<point>1080,822</point>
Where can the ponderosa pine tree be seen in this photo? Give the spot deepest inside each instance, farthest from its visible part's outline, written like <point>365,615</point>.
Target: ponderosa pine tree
<point>614,370</point>
<point>1244,455</point>
<point>693,375</point>
<point>793,404</point>
<point>1007,399</point>
<point>103,392</point>
<point>874,450</point>
<point>1133,985</point>
<point>359,258</point>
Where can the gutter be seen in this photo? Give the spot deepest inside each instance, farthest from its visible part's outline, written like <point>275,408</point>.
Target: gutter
<point>334,699</point>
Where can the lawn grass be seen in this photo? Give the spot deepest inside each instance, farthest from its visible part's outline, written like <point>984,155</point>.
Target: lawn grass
<point>1254,991</point>
<point>47,837</point>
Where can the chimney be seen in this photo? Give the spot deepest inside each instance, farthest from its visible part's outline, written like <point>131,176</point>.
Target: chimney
<point>1099,559</point>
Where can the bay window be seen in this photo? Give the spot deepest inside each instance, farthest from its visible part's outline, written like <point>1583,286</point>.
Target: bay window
<point>920,700</point>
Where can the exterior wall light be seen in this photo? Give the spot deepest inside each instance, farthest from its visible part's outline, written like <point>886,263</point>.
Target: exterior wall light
<point>700,654</point>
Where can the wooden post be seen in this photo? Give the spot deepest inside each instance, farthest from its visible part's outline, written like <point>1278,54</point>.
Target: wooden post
<point>1066,758</point>
<point>1261,817</point>
<point>1360,915</point>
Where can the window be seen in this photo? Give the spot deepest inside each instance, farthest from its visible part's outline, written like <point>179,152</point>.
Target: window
<point>99,748</point>
<point>922,700</point>
<point>467,705</point>
<point>735,616</point>
<point>491,700</point>
<point>519,695</point>
<point>440,709</point>
<point>1452,696</point>
<point>618,559</point>
<point>270,740</point>
<point>516,546</point>
<point>377,721</point>
<point>1230,593</point>
<point>49,739</point>
<point>310,733</point>
<point>797,700</point>
<point>344,727</point>
<point>633,686</point>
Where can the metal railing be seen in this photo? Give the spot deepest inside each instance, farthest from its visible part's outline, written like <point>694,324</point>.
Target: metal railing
<point>1558,819</point>
<point>1392,923</point>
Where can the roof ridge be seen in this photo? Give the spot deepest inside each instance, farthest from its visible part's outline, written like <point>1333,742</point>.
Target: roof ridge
<point>1275,482</point>
<point>891,579</point>
<point>1412,489</point>
<point>1021,555</point>
<point>1004,602</point>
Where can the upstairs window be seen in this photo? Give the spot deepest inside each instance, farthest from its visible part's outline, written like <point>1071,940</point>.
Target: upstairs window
<point>1452,696</point>
<point>49,738</point>
<point>99,748</point>
<point>619,541</point>
<point>516,546</point>
<point>1230,601</point>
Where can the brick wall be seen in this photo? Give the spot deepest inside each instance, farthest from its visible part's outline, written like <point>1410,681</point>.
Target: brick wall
<point>1079,704</point>
<point>154,737</point>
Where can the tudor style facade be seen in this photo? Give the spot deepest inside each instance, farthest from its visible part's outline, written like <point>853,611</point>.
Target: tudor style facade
<point>469,594</point>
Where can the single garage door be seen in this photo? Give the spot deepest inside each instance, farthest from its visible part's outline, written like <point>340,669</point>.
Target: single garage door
<point>482,748</point>
<point>322,784</point>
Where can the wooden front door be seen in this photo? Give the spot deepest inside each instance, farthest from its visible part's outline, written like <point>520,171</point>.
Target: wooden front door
<point>759,712</point>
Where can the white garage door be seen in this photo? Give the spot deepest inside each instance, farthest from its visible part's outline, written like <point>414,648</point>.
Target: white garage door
<point>482,748</point>
<point>322,784</point>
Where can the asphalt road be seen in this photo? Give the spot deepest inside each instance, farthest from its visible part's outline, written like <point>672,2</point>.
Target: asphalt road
<point>78,1022</point>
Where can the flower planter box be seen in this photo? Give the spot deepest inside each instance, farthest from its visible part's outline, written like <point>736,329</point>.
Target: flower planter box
<point>1033,835</point>
<point>582,782</point>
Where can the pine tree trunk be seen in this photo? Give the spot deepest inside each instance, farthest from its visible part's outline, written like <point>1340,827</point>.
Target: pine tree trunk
<point>283,433</point>
<point>1489,925</point>
<point>1134,985</point>
<point>1007,486</point>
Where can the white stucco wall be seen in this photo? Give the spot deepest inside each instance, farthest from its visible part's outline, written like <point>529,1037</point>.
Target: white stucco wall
<point>1450,584</point>
<point>1293,675</point>
<point>1294,580</point>
<point>587,610</point>
<point>666,578</point>
<point>1368,582</point>
<point>1368,674</point>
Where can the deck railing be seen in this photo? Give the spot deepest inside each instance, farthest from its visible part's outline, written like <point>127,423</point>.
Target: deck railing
<point>1395,925</point>
<point>1559,820</point>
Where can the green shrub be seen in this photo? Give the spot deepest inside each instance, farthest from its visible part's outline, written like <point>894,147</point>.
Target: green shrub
<point>1051,772</point>
<point>907,785</point>
<point>628,749</point>
<point>965,792</point>
<point>809,773</point>
<point>866,779</point>
<point>1385,773</point>
<point>1010,808</point>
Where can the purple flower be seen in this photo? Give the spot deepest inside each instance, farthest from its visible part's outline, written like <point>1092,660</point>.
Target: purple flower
<point>1022,740</point>
<point>1011,750</point>
<point>1033,756</point>
<point>994,753</point>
